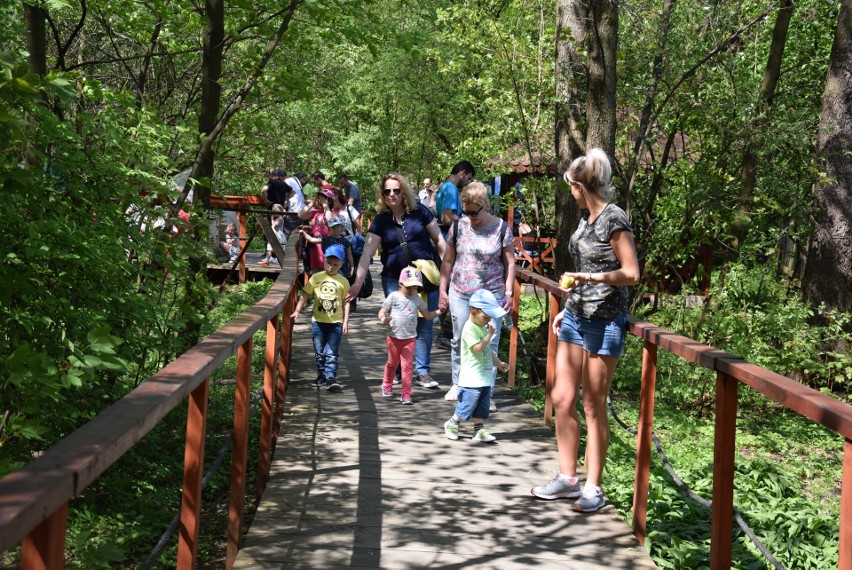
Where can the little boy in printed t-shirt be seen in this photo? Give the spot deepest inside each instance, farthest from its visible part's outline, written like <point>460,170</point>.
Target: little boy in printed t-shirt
<point>399,313</point>
<point>476,374</point>
<point>330,315</point>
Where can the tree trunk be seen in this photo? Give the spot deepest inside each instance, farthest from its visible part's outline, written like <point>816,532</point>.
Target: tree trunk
<point>828,270</point>
<point>35,19</point>
<point>748,172</point>
<point>585,98</point>
<point>213,36</point>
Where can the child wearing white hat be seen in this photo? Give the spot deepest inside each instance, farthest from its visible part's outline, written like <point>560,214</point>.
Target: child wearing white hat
<point>399,312</point>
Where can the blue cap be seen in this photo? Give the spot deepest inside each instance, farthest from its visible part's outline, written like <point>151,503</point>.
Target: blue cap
<point>335,250</point>
<point>486,301</point>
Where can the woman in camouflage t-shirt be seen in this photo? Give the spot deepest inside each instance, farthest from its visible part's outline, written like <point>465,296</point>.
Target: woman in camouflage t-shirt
<point>591,330</point>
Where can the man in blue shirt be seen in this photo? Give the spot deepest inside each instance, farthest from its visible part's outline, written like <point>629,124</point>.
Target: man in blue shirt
<point>447,202</point>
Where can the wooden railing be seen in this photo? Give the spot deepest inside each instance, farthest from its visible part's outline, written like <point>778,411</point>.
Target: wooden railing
<point>34,500</point>
<point>731,372</point>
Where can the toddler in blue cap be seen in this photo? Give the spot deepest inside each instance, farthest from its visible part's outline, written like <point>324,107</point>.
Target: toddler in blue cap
<point>330,315</point>
<point>478,361</point>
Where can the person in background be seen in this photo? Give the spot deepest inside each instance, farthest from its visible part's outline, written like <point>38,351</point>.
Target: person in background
<point>317,211</point>
<point>278,230</point>
<point>447,203</point>
<point>351,191</point>
<point>399,312</point>
<point>480,254</point>
<point>400,214</point>
<point>335,227</point>
<point>591,329</point>
<point>479,366</point>
<point>318,179</point>
<point>231,243</point>
<point>424,190</point>
<point>330,316</point>
<point>431,193</point>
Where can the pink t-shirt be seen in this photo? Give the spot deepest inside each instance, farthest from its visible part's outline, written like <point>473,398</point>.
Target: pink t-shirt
<point>479,257</point>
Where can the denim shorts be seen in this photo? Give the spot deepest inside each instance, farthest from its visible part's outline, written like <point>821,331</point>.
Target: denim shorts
<point>474,402</point>
<point>596,336</point>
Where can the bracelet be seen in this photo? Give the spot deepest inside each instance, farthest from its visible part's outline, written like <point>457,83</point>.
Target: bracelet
<point>589,276</point>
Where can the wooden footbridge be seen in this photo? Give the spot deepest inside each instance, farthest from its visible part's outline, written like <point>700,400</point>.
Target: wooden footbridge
<point>351,479</point>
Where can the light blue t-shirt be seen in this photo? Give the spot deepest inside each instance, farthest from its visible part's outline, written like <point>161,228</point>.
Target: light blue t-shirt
<point>477,369</point>
<point>403,314</point>
<point>447,199</point>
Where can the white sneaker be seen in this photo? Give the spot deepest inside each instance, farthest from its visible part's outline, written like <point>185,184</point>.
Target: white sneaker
<point>492,407</point>
<point>483,436</point>
<point>452,394</point>
<point>451,430</point>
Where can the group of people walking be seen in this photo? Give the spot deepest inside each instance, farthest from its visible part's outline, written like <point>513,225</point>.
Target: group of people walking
<point>452,227</point>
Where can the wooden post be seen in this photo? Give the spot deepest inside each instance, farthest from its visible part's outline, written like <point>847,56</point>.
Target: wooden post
<point>43,548</point>
<point>844,560</point>
<point>643,441</point>
<point>722,510</point>
<point>242,217</point>
<point>193,473</point>
<point>264,455</point>
<point>513,333</point>
<point>239,453</point>
<point>550,374</point>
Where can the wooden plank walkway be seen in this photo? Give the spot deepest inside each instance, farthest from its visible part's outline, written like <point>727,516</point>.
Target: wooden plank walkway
<point>361,481</point>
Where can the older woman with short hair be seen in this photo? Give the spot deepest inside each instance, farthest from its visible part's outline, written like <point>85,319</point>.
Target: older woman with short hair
<point>401,216</point>
<point>480,255</point>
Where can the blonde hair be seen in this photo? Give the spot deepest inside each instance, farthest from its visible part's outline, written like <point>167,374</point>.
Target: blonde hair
<point>594,172</point>
<point>407,195</point>
<point>475,193</point>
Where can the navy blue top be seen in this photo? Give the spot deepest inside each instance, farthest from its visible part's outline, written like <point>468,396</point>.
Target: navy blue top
<point>417,237</point>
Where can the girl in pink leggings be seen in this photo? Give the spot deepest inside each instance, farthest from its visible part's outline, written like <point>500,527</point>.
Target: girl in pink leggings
<point>399,311</point>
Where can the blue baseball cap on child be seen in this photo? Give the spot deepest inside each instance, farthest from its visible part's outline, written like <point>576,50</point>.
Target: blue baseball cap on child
<point>486,301</point>
<point>335,250</point>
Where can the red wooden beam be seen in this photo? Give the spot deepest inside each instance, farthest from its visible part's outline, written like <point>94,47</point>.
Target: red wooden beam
<point>239,452</point>
<point>722,508</point>
<point>643,440</point>
<point>193,473</point>
<point>44,547</point>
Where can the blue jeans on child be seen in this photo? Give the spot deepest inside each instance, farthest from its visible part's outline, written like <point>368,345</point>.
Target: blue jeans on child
<point>423,346</point>
<point>327,347</point>
<point>460,311</point>
<point>473,402</point>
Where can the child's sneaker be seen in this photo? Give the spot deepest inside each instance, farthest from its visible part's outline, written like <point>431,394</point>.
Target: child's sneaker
<point>406,400</point>
<point>273,261</point>
<point>557,488</point>
<point>397,379</point>
<point>483,436</point>
<point>387,391</point>
<point>319,382</point>
<point>451,430</point>
<point>590,501</point>
<point>332,385</point>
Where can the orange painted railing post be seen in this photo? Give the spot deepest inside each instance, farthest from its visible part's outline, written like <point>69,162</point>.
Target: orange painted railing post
<point>513,333</point>
<point>722,510</point>
<point>844,561</point>
<point>643,440</point>
<point>239,453</point>
<point>242,218</point>
<point>44,547</point>
<point>264,456</point>
<point>550,374</point>
<point>193,473</point>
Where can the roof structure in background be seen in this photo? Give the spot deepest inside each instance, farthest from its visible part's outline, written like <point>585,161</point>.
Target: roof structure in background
<point>516,159</point>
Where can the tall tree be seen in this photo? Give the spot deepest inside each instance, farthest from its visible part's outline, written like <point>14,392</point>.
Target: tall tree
<point>585,95</point>
<point>828,270</point>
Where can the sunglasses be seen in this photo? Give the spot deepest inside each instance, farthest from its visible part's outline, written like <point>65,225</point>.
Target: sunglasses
<point>389,191</point>
<point>472,213</point>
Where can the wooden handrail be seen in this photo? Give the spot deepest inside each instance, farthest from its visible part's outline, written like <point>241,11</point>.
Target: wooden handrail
<point>34,499</point>
<point>731,371</point>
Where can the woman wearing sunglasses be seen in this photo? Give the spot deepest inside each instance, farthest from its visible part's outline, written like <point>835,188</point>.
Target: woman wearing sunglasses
<point>480,255</point>
<point>400,217</point>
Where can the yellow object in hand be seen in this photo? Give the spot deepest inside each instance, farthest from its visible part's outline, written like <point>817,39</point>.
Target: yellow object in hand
<point>566,281</point>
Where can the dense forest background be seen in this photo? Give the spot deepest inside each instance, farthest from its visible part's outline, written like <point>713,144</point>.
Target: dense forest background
<point>719,112</point>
